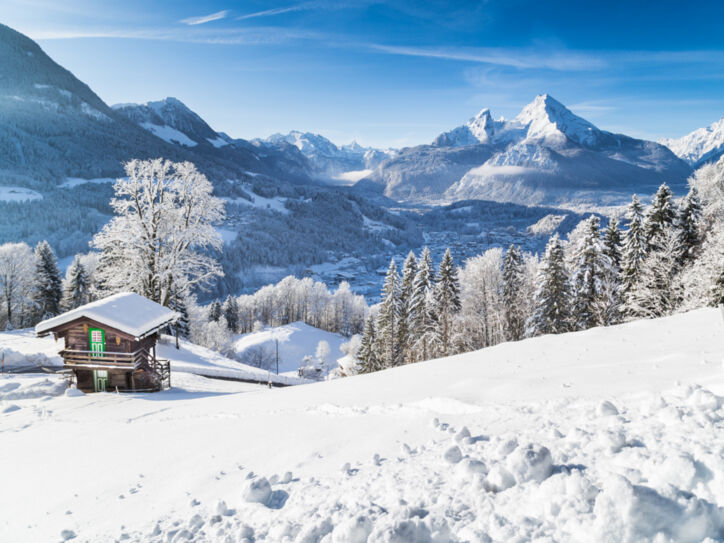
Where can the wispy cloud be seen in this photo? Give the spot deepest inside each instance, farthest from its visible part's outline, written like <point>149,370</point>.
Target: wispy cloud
<point>278,11</point>
<point>515,58</point>
<point>266,35</point>
<point>203,19</point>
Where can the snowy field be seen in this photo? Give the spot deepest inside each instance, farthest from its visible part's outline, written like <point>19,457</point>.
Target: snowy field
<point>612,434</point>
<point>296,340</point>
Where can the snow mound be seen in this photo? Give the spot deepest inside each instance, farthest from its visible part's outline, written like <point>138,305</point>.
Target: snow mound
<point>257,491</point>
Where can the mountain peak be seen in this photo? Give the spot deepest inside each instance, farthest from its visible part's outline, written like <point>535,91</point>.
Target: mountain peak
<point>701,145</point>
<point>548,119</point>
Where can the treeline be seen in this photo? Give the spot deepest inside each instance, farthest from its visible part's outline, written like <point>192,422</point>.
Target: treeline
<point>32,288</point>
<point>669,258</point>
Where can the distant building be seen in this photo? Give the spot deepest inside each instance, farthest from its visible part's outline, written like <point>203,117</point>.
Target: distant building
<point>110,344</point>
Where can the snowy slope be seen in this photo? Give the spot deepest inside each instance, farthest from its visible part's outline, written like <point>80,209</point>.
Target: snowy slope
<point>701,145</point>
<point>296,340</point>
<point>601,435</point>
<point>546,155</point>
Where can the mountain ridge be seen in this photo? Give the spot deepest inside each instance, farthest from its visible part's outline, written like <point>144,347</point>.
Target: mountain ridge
<point>545,155</point>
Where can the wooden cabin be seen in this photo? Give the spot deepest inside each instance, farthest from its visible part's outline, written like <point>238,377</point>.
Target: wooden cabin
<point>110,344</point>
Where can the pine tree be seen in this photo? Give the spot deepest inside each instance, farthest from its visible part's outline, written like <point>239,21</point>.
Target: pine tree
<point>634,246</point>
<point>612,245</point>
<point>367,353</point>
<point>76,289</point>
<point>612,242</point>
<point>689,237</point>
<point>589,276</point>
<point>421,312</point>
<point>447,300</point>
<point>513,310</point>
<point>387,319</point>
<point>182,327</point>
<point>409,271</point>
<point>657,292</point>
<point>231,313</point>
<point>215,311</point>
<point>660,216</point>
<point>47,291</point>
<point>552,301</point>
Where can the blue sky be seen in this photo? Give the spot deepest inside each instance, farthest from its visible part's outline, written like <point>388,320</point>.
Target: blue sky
<point>392,73</point>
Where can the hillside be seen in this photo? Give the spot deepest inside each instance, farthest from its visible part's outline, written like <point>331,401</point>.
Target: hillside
<point>603,435</point>
<point>545,156</point>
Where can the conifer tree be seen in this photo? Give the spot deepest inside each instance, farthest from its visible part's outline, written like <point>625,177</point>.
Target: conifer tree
<point>387,319</point>
<point>447,300</point>
<point>367,353</point>
<point>589,276</point>
<point>76,288</point>
<point>215,311</point>
<point>689,237</point>
<point>409,271</point>
<point>421,312</point>
<point>634,246</point>
<point>552,301</point>
<point>657,293</point>
<point>230,311</point>
<point>47,291</point>
<point>182,327</point>
<point>612,245</point>
<point>513,279</point>
<point>612,242</point>
<point>660,215</point>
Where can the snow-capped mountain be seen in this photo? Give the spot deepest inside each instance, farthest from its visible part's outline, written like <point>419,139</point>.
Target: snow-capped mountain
<point>54,127</point>
<point>547,154</point>
<point>327,158</point>
<point>172,121</point>
<point>700,146</point>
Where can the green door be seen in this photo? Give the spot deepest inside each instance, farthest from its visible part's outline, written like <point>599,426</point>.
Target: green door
<point>97,338</point>
<point>100,380</point>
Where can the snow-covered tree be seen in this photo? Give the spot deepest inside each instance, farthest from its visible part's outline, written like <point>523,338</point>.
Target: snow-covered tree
<point>552,300</point>
<point>387,319</point>
<point>322,355</point>
<point>634,246</point>
<point>481,319</point>
<point>213,335</point>
<point>447,300</point>
<point>591,270</point>
<point>421,311</point>
<point>230,310</point>
<point>16,274</point>
<point>613,287</point>
<point>404,336</point>
<point>612,243</point>
<point>709,184</point>
<point>660,215</point>
<point>367,352</point>
<point>513,294</point>
<point>182,327</point>
<point>47,288</point>
<point>702,281</point>
<point>687,224</point>
<point>76,287</point>
<point>657,292</point>
<point>161,237</point>
<point>215,311</point>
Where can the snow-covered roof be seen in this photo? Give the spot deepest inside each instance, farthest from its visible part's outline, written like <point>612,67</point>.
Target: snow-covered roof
<point>125,311</point>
